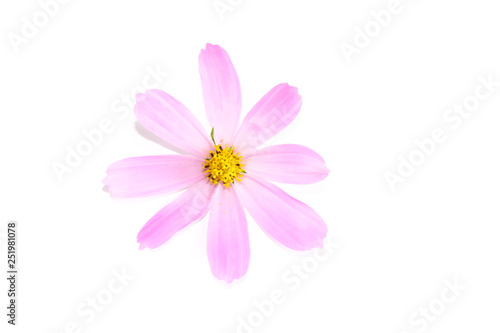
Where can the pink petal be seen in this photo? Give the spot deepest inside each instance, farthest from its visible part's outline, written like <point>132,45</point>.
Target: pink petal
<point>221,91</point>
<point>172,121</point>
<point>285,219</point>
<point>228,247</point>
<point>292,164</point>
<point>151,175</point>
<point>189,207</point>
<point>270,115</point>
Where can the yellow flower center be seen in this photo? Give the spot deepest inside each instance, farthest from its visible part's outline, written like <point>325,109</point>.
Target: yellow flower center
<point>223,165</point>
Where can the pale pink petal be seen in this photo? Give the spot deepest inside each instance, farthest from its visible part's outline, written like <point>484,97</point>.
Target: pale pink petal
<point>270,115</point>
<point>189,207</point>
<point>172,121</point>
<point>228,247</point>
<point>150,175</point>
<point>221,91</point>
<point>293,164</point>
<point>285,219</point>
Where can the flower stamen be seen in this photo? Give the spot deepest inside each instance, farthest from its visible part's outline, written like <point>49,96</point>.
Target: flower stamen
<point>223,166</point>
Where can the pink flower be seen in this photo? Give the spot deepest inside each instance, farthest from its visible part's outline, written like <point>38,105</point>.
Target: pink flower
<point>229,157</point>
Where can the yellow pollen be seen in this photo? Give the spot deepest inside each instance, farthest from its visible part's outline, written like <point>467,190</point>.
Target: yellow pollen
<point>223,165</point>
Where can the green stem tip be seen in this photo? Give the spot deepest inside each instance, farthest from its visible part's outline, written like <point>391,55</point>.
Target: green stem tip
<point>212,135</point>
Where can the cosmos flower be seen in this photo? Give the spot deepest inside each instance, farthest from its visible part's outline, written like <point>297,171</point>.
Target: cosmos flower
<point>223,170</point>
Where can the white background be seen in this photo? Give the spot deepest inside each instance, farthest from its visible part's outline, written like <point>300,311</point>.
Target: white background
<point>397,247</point>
